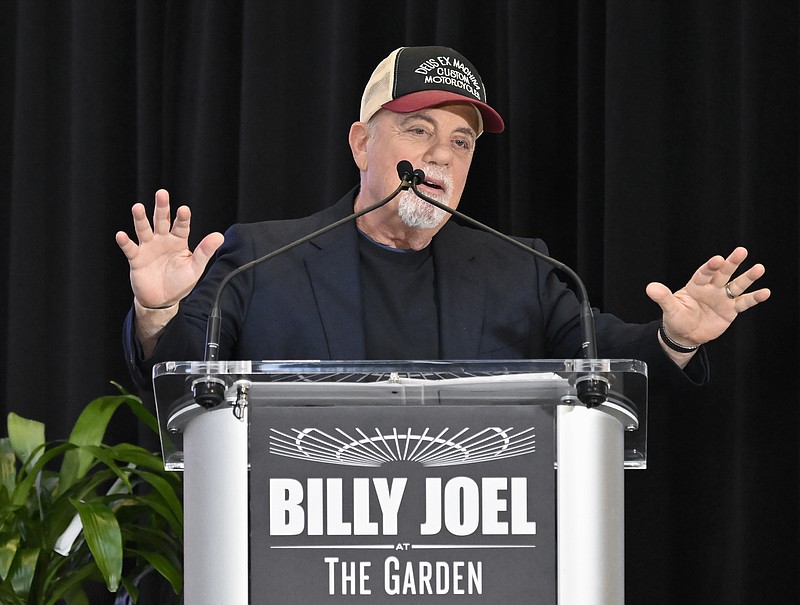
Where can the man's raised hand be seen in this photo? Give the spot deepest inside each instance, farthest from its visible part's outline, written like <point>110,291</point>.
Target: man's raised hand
<point>162,268</point>
<point>707,305</point>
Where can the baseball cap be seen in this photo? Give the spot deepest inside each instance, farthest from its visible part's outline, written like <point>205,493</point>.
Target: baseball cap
<point>415,77</point>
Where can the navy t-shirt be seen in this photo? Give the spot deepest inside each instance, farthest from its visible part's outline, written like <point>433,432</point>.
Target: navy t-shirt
<point>400,307</point>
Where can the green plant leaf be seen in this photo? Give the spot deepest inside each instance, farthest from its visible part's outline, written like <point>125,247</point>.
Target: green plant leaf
<point>71,584</point>
<point>23,490</point>
<point>76,596</point>
<point>7,553</point>
<point>131,589</point>
<point>142,413</point>
<point>89,429</point>
<point>166,491</point>
<point>26,436</point>
<point>154,538</point>
<point>102,532</point>
<point>8,597</point>
<point>138,408</point>
<point>22,570</point>
<point>8,466</point>
<point>163,566</point>
<point>157,506</point>
<point>106,456</point>
<point>91,483</point>
<point>139,456</point>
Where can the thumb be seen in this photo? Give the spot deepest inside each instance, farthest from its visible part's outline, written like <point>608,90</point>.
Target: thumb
<point>206,249</point>
<point>661,295</point>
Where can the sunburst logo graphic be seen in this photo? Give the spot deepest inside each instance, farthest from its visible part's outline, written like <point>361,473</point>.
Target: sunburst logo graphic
<point>428,448</point>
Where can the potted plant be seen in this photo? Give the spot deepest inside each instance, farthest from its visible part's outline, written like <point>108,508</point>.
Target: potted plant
<point>81,511</point>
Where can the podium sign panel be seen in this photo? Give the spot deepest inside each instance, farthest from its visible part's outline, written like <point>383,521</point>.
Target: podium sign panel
<point>433,502</point>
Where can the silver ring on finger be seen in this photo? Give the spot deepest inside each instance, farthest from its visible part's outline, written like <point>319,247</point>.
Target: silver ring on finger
<point>728,291</point>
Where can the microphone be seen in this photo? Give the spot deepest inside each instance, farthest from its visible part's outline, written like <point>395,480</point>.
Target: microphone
<point>209,391</point>
<point>592,388</point>
<point>406,172</point>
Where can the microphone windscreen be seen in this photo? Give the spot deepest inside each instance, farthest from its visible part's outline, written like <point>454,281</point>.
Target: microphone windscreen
<point>404,170</point>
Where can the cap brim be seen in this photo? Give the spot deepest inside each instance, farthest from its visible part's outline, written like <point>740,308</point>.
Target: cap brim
<point>492,122</point>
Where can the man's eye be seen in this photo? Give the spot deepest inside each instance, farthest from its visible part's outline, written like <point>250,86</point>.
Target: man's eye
<point>418,130</point>
<point>463,144</point>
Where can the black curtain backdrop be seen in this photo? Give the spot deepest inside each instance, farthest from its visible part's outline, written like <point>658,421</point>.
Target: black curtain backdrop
<point>642,137</point>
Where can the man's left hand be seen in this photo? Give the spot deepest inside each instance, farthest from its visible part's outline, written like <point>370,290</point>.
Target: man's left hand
<point>704,308</point>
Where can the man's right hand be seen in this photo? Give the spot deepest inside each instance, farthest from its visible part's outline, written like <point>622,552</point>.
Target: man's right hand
<point>162,268</point>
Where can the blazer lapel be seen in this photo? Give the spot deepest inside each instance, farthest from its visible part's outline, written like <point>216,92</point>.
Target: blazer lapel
<point>333,270</point>
<point>462,296</point>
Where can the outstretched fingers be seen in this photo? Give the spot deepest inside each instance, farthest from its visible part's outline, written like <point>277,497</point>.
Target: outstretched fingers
<point>717,271</point>
<point>742,302</point>
<point>738,286</point>
<point>161,214</point>
<point>126,244</point>
<point>182,224</point>
<point>142,228</point>
<point>145,231</point>
<point>141,224</point>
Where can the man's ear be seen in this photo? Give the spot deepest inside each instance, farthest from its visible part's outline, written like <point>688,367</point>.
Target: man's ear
<point>358,138</point>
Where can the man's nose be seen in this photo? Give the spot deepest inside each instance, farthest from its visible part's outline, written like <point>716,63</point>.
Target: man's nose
<point>439,152</point>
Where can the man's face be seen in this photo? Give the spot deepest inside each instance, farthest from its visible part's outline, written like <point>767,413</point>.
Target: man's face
<point>439,140</point>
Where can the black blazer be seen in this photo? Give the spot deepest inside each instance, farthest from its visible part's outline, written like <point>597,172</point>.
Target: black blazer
<point>495,301</point>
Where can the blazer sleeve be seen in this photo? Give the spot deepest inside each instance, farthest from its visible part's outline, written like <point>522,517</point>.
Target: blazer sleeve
<point>616,339</point>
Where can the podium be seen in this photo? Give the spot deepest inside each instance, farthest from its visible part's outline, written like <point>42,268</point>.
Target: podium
<point>330,482</point>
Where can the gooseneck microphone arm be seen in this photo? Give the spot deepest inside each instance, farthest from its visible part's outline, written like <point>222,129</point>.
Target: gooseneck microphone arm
<point>592,389</point>
<point>209,391</point>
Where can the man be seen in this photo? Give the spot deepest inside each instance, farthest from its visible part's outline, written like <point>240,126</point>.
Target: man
<point>403,282</point>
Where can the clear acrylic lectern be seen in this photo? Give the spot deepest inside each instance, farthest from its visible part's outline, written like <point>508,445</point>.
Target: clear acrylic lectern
<point>466,422</point>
